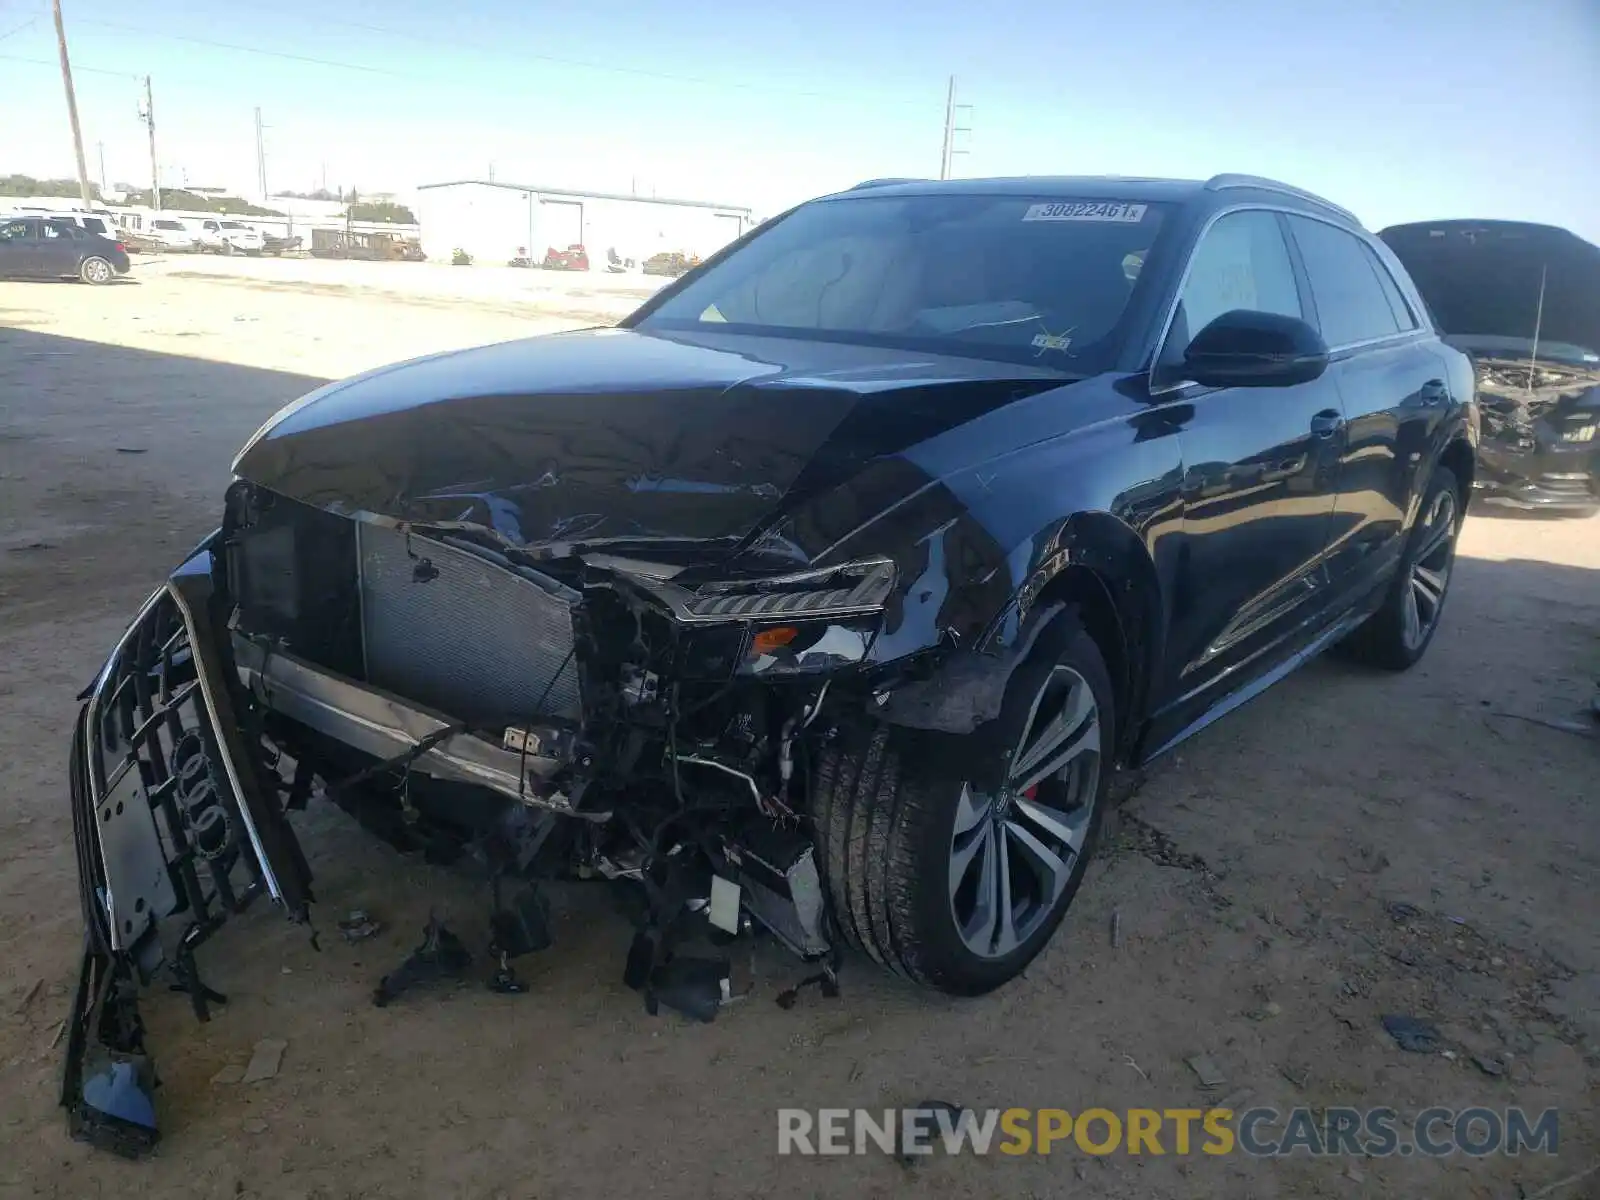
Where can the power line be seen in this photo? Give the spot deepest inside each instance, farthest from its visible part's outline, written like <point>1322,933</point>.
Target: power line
<point>77,68</point>
<point>16,29</point>
<point>195,41</point>
<point>608,68</point>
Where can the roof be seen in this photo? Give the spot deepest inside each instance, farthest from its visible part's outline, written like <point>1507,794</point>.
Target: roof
<point>1551,234</point>
<point>565,192</point>
<point>1100,187</point>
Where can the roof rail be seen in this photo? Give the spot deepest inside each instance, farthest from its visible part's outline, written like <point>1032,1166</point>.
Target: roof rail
<point>872,183</point>
<point>1218,183</point>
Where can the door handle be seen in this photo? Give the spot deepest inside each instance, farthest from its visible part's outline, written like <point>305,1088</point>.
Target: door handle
<point>1327,423</point>
<point>1434,392</point>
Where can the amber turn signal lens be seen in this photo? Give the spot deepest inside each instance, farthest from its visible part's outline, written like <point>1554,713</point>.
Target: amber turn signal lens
<point>767,641</point>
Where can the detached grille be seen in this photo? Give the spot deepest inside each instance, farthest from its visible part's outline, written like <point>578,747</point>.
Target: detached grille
<point>474,639</point>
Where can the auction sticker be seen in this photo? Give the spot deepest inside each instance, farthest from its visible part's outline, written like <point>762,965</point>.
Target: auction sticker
<point>1116,211</point>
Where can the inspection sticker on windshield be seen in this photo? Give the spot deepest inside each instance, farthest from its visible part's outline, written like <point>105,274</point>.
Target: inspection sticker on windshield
<point>1116,211</point>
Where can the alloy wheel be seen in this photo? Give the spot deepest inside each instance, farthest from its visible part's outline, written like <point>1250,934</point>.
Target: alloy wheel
<point>97,270</point>
<point>1013,852</point>
<point>1430,570</point>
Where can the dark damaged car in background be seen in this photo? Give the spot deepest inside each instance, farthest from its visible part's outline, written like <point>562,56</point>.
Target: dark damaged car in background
<point>823,599</point>
<point>1523,302</point>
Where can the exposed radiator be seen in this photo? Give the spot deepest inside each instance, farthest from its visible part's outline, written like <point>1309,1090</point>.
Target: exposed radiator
<point>474,639</point>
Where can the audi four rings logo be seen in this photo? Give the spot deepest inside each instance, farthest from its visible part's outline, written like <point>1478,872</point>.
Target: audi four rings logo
<point>205,819</point>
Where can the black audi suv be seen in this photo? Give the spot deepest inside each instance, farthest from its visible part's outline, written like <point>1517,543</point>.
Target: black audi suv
<point>823,598</point>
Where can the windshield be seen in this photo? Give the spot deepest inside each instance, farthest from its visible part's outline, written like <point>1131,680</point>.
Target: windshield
<point>233,225</point>
<point>1043,281</point>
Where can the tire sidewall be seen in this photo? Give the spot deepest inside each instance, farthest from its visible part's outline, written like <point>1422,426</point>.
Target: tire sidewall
<point>944,955</point>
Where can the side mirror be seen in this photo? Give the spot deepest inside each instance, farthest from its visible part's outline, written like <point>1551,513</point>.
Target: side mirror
<point>1244,348</point>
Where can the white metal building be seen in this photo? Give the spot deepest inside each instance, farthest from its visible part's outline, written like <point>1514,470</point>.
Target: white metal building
<point>495,222</point>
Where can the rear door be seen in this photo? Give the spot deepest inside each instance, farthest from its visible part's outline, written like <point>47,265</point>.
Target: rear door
<point>58,249</point>
<point>1393,386</point>
<point>1261,466</point>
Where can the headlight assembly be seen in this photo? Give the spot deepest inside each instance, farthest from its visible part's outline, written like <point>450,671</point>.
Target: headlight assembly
<point>851,589</point>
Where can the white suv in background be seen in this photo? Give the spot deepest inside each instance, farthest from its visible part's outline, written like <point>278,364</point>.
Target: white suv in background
<point>228,237</point>
<point>170,232</point>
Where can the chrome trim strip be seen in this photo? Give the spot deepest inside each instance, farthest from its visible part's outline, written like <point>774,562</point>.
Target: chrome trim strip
<point>1227,181</point>
<point>1183,282</point>
<point>91,752</point>
<point>207,692</point>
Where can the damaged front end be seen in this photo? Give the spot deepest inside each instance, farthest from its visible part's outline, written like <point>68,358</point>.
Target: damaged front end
<point>583,713</point>
<point>579,715</point>
<point>178,825</point>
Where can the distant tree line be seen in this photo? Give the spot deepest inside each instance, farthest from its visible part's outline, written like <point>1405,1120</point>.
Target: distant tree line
<point>233,206</point>
<point>382,210</point>
<point>56,189</point>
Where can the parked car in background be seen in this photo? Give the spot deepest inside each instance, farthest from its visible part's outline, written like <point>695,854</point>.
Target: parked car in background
<point>171,233</point>
<point>88,222</point>
<point>1523,301</point>
<point>42,248</point>
<point>227,237</point>
<point>827,594</point>
<point>573,258</point>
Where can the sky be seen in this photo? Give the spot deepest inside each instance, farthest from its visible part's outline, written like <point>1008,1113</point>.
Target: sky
<point>1398,109</point>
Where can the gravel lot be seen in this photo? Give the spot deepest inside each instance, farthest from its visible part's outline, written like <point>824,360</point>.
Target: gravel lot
<point>1258,877</point>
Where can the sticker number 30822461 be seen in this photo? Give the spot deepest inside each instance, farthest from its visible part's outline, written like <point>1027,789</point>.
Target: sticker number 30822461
<point>1117,211</point>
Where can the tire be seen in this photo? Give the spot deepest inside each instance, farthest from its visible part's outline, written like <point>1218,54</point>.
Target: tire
<point>227,249</point>
<point>901,815</point>
<point>97,271</point>
<point>1397,636</point>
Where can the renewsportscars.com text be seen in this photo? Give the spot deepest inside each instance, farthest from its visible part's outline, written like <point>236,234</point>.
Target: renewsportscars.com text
<point>1256,1132</point>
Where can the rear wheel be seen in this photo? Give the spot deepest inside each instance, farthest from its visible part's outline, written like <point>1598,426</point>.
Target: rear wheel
<point>97,271</point>
<point>952,860</point>
<point>1397,635</point>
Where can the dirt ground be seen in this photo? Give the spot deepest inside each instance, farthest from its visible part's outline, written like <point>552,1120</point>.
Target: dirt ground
<point>1351,846</point>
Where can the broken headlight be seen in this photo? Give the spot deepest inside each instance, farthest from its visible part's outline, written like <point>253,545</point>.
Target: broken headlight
<point>851,589</point>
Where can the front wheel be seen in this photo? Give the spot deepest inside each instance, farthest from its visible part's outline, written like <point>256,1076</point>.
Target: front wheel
<point>96,271</point>
<point>952,860</point>
<point>1397,635</point>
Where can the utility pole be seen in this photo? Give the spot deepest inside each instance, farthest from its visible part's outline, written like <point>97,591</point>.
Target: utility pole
<point>148,116</point>
<point>104,186</point>
<point>72,107</point>
<point>261,158</point>
<point>951,108</point>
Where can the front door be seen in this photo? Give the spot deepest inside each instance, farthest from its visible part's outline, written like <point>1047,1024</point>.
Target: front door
<point>1261,471</point>
<point>19,250</point>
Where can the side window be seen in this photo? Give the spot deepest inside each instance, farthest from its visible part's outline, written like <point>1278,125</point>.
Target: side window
<point>52,230</point>
<point>1241,262</point>
<point>1351,302</point>
<point>1403,315</point>
<point>14,231</point>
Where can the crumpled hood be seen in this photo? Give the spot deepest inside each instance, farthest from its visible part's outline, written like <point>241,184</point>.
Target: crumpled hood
<point>620,436</point>
<point>1506,282</point>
